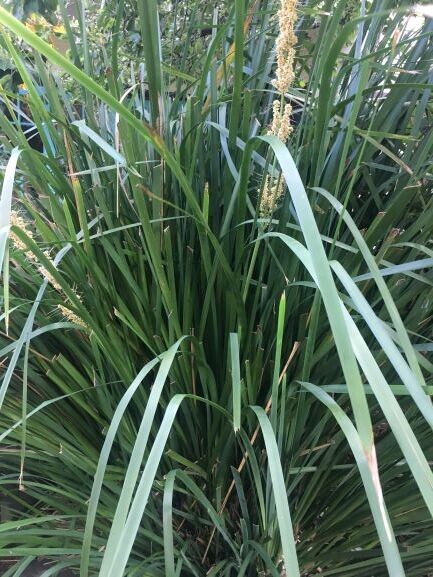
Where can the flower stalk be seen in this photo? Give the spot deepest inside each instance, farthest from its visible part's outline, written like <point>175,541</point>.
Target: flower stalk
<point>281,109</point>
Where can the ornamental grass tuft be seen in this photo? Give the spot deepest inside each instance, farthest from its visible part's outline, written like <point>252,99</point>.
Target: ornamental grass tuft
<point>216,278</point>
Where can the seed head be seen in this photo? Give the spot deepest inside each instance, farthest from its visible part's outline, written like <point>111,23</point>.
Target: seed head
<point>281,126</point>
<point>285,45</point>
<point>273,190</point>
<point>71,316</point>
<point>17,221</point>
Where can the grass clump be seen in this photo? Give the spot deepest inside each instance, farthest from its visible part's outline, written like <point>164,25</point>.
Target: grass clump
<point>215,327</point>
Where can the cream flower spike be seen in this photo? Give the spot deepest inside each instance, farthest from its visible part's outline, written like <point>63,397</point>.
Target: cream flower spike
<point>280,126</point>
<point>285,45</point>
<point>18,221</point>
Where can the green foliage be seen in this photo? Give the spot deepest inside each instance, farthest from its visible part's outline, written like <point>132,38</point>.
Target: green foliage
<point>187,388</point>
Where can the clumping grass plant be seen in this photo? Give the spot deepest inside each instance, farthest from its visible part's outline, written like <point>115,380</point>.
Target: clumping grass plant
<point>216,324</point>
